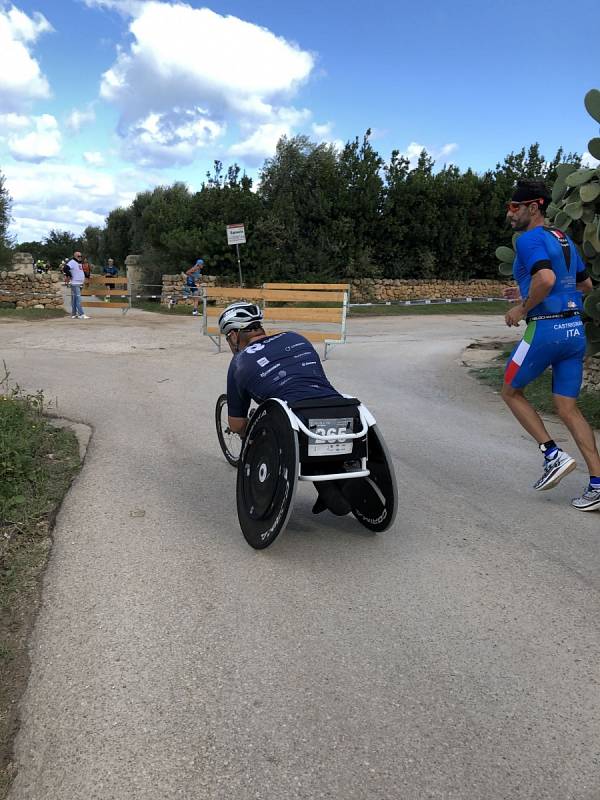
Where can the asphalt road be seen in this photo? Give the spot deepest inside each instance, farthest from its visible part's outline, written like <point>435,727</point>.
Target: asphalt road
<point>455,656</point>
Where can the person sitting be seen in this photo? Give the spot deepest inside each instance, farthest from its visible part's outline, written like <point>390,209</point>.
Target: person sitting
<point>110,271</point>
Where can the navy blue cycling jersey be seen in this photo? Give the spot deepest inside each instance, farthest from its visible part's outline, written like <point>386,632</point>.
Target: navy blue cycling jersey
<point>284,365</point>
<point>541,245</point>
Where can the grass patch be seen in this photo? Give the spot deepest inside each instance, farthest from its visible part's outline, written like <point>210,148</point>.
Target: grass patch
<point>159,308</point>
<point>539,391</point>
<point>32,313</point>
<point>37,464</point>
<point>495,307</point>
<point>380,310</point>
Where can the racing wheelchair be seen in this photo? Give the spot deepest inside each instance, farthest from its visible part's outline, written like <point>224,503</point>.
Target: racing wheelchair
<point>333,442</point>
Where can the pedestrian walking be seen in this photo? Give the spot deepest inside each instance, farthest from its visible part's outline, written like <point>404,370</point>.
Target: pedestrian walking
<point>192,281</point>
<point>76,279</point>
<point>551,277</point>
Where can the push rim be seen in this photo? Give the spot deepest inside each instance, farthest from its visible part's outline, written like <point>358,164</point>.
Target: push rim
<point>230,442</point>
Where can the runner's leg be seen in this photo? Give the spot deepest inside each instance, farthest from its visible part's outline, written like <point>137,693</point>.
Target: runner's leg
<point>527,361</point>
<point>580,429</point>
<point>525,413</point>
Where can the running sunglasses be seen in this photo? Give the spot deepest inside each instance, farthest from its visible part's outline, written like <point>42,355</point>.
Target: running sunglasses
<point>513,205</point>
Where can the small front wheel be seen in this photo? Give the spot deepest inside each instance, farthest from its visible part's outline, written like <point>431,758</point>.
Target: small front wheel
<point>231,443</point>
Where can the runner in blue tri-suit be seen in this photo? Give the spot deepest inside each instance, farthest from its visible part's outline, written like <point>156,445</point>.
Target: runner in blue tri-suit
<point>551,277</point>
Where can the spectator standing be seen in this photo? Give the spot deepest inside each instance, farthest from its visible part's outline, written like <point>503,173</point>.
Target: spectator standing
<point>76,279</point>
<point>193,277</point>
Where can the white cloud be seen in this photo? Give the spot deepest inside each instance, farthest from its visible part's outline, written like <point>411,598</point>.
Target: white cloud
<point>94,159</point>
<point>171,138</point>
<point>184,60</point>
<point>414,149</point>
<point>588,160</point>
<point>128,8</point>
<point>78,119</point>
<point>322,132</point>
<point>43,142</point>
<point>14,122</point>
<point>21,79</point>
<point>65,197</point>
<point>262,141</point>
<point>446,150</point>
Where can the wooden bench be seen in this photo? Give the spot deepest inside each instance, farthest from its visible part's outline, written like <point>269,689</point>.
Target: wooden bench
<point>327,320</point>
<point>96,286</point>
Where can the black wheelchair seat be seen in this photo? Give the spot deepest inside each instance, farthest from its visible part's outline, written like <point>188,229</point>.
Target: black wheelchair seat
<point>325,402</point>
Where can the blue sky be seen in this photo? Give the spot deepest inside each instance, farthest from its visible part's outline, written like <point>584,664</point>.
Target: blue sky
<point>100,99</point>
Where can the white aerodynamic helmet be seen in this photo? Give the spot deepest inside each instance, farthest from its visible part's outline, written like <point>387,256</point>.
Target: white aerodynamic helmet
<point>238,316</point>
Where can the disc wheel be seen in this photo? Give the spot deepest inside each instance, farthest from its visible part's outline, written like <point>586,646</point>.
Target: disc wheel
<point>374,500</point>
<point>267,475</point>
<point>231,443</point>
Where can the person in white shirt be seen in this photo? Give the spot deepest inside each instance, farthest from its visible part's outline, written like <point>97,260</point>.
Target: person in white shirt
<point>76,281</point>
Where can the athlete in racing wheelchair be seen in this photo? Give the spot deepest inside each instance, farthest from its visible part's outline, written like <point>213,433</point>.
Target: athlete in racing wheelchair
<point>303,429</point>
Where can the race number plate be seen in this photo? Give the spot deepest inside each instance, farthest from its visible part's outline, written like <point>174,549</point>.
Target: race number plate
<point>333,428</point>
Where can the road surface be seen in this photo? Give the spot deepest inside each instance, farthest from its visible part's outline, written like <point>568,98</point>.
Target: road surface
<point>455,656</point>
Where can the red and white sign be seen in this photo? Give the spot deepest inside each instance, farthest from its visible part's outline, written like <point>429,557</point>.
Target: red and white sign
<point>236,234</point>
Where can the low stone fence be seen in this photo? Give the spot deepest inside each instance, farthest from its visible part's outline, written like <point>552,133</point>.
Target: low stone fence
<point>378,290</point>
<point>591,373</point>
<point>31,291</point>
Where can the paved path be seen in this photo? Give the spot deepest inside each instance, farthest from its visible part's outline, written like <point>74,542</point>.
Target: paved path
<point>455,656</point>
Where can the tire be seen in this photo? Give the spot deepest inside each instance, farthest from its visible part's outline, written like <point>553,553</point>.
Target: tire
<point>231,443</point>
<point>267,475</point>
<point>374,500</point>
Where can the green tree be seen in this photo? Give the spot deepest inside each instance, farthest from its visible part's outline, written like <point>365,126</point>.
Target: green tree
<point>115,241</point>
<point>360,201</point>
<point>92,241</point>
<point>6,240</point>
<point>58,245</point>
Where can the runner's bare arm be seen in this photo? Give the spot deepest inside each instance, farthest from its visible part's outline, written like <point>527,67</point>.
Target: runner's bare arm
<point>541,284</point>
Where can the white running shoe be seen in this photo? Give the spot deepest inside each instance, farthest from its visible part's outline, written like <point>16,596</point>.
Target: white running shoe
<point>74,316</point>
<point>555,470</point>
<point>195,313</point>
<point>83,316</point>
<point>589,500</point>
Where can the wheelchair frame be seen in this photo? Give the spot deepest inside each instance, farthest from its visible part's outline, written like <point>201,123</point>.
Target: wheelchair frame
<point>267,475</point>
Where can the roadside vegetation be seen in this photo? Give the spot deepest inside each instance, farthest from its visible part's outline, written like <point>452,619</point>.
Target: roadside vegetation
<point>37,463</point>
<point>539,392</point>
<point>494,307</point>
<point>32,313</point>
<point>375,310</point>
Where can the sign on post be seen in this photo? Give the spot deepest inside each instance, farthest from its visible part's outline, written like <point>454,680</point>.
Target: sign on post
<point>237,235</point>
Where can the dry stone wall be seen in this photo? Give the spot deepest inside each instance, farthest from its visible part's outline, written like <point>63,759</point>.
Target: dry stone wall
<point>173,289</point>
<point>369,290</point>
<point>22,288</point>
<point>591,373</point>
<point>374,290</point>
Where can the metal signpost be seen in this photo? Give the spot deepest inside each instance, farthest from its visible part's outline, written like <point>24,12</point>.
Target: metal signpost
<point>237,236</point>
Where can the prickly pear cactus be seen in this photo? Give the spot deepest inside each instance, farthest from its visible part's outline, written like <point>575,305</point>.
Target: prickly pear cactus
<point>575,209</point>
